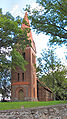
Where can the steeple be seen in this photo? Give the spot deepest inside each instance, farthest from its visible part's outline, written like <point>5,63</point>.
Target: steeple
<point>26,24</point>
<point>25,20</point>
<point>24,84</point>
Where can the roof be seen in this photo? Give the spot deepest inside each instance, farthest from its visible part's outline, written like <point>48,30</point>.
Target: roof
<point>44,85</point>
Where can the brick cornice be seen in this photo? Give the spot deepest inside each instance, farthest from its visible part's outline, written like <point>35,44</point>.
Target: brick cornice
<point>20,83</point>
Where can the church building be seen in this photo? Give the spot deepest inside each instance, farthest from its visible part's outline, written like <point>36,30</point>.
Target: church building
<point>24,85</point>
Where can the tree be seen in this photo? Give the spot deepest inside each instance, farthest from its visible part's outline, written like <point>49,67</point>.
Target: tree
<point>53,73</point>
<point>5,88</point>
<point>48,61</point>
<point>50,19</point>
<point>13,40</point>
<point>10,35</point>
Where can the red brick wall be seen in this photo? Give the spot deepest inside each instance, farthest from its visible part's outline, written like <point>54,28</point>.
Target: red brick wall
<point>29,88</point>
<point>42,93</point>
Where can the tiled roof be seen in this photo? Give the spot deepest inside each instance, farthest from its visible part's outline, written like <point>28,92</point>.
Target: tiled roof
<point>44,85</point>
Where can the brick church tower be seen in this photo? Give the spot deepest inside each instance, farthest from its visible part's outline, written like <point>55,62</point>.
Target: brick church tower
<point>24,84</point>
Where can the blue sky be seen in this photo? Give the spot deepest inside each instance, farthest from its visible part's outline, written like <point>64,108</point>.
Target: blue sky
<point>15,7</point>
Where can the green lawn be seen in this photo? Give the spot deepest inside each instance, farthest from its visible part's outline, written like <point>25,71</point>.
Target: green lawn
<point>18,105</point>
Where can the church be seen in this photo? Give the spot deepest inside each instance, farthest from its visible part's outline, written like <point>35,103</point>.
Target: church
<point>25,86</point>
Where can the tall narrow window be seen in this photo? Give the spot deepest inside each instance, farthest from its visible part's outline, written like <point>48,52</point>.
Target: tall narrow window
<point>22,76</point>
<point>18,77</point>
<point>23,55</point>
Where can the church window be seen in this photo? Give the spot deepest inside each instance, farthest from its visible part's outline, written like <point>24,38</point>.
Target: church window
<point>22,76</point>
<point>18,77</point>
<point>23,55</point>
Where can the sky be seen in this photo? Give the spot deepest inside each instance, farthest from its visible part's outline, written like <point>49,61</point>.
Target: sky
<point>15,7</point>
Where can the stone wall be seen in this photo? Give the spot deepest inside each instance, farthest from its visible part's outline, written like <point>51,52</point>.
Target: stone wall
<point>47,112</point>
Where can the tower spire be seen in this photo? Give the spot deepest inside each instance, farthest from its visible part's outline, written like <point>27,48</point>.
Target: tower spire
<point>26,24</point>
<point>25,19</point>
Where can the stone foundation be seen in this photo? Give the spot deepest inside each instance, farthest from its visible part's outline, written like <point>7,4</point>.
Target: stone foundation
<point>47,112</point>
<point>25,99</point>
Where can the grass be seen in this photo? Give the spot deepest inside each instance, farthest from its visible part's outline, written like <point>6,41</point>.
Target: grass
<point>18,105</point>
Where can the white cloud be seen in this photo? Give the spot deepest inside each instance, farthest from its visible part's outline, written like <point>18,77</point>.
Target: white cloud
<point>16,10</point>
<point>41,41</point>
<point>37,7</point>
<point>60,52</point>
